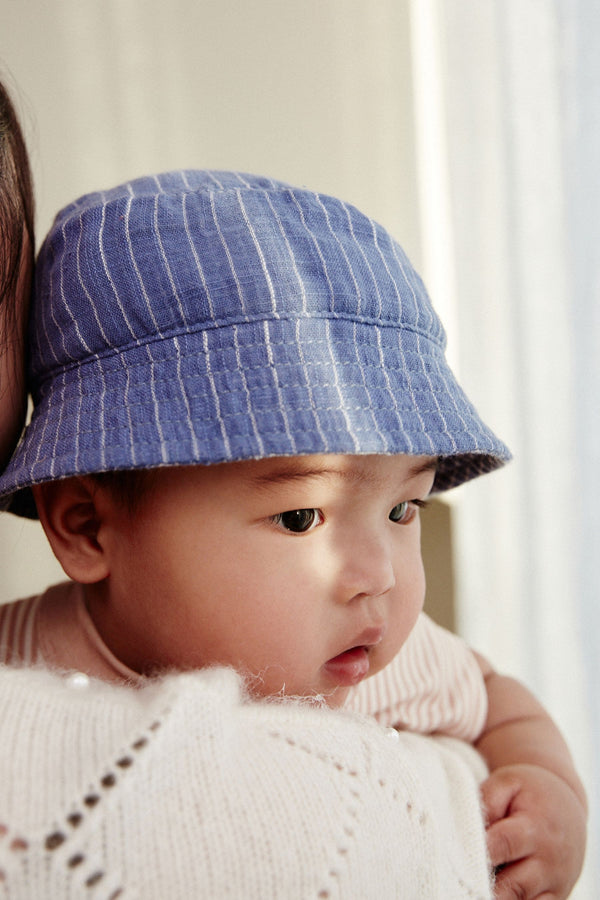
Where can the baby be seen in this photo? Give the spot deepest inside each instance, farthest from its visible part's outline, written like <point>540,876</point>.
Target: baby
<point>241,405</point>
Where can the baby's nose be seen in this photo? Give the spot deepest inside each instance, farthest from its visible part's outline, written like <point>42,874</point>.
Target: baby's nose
<point>368,570</point>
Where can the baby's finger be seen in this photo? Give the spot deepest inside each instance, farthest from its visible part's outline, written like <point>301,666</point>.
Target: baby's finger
<point>497,793</point>
<point>511,839</point>
<point>523,880</point>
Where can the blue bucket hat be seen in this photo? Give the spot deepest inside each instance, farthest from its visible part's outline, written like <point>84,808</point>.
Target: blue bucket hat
<point>205,317</point>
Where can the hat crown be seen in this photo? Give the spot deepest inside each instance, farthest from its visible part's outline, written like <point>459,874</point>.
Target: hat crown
<point>201,317</point>
<point>191,250</point>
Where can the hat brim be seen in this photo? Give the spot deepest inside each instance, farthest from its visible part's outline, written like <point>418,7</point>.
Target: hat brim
<point>251,390</point>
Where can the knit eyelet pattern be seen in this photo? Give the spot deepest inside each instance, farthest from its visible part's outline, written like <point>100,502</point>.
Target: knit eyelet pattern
<point>63,845</point>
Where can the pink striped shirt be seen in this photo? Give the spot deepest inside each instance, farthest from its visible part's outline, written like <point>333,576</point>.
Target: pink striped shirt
<point>434,683</point>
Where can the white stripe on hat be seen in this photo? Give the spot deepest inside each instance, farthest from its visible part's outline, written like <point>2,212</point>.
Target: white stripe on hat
<point>281,404</point>
<point>228,252</point>
<point>260,254</point>
<point>39,459</point>
<point>451,390</point>
<point>368,392</point>
<point>342,406</point>
<point>300,345</point>
<point>84,286</point>
<point>344,254</point>
<point>183,392</point>
<point>196,257</point>
<point>109,276</point>
<point>215,394</point>
<point>164,256</point>
<point>164,452</point>
<point>48,311</point>
<point>242,372</point>
<point>433,394</point>
<point>66,305</point>
<point>290,251</point>
<point>100,369</point>
<point>135,265</point>
<point>126,369</point>
<point>392,394</point>
<point>362,253</point>
<point>58,424</point>
<point>317,248</point>
<point>417,306</point>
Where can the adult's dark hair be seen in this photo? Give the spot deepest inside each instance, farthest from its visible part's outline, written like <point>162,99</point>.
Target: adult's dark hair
<point>16,205</point>
<point>17,251</point>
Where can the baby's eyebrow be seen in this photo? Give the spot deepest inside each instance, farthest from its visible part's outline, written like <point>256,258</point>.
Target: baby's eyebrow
<point>293,472</point>
<point>287,474</point>
<point>430,465</point>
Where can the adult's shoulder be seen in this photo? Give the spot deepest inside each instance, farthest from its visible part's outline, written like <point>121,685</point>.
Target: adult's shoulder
<point>186,788</point>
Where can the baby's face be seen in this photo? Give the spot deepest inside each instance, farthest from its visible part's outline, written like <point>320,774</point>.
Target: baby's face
<point>305,573</point>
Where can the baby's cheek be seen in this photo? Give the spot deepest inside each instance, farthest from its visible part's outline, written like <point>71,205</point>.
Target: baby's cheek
<point>394,640</point>
<point>381,656</point>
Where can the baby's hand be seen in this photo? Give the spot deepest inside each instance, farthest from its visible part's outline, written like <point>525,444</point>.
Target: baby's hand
<point>536,828</point>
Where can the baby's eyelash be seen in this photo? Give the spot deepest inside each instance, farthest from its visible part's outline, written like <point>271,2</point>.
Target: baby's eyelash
<point>298,521</point>
<point>406,512</point>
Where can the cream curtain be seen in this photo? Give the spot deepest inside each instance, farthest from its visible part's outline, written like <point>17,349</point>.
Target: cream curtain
<point>512,92</point>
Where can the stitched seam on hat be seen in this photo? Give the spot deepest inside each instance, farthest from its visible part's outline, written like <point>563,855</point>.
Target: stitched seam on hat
<point>225,391</point>
<point>176,441</point>
<point>182,331</point>
<point>430,390</point>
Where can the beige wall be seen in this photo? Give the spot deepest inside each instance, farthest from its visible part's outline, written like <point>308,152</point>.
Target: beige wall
<point>317,93</point>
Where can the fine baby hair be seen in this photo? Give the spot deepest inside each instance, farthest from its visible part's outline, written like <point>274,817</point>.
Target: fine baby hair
<point>206,317</point>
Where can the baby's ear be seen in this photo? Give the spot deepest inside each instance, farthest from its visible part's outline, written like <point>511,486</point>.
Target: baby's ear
<point>70,513</point>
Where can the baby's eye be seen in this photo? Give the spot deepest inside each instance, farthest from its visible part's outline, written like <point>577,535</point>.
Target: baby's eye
<point>403,513</point>
<point>298,521</point>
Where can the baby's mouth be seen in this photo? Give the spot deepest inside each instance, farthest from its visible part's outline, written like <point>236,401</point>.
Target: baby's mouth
<point>353,665</point>
<point>349,667</point>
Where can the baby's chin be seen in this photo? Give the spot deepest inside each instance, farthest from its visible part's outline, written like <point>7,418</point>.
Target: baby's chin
<point>337,699</point>
<point>332,697</point>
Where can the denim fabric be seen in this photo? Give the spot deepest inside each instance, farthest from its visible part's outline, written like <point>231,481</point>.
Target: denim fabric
<point>202,317</point>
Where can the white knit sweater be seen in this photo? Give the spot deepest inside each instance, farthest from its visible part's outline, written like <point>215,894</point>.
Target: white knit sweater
<point>183,789</point>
